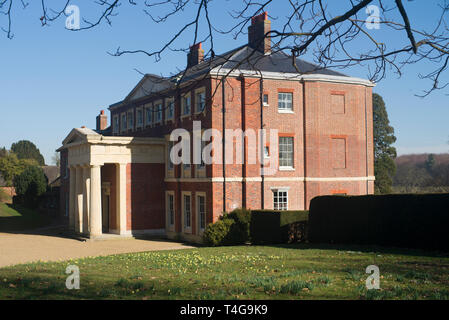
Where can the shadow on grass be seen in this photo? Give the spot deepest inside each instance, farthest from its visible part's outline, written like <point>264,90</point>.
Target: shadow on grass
<point>362,248</point>
<point>29,221</point>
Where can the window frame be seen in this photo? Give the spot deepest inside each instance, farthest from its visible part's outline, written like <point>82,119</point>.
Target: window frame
<point>115,124</point>
<point>183,105</point>
<point>199,91</point>
<point>148,110</point>
<point>123,128</point>
<point>169,214</point>
<point>285,110</point>
<point>185,228</point>
<point>199,195</point>
<point>158,110</point>
<point>131,125</point>
<point>281,206</point>
<point>169,102</point>
<point>292,139</point>
<point>139,109</point>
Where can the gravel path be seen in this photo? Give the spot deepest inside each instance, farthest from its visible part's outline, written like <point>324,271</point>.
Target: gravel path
<point>24,248</point>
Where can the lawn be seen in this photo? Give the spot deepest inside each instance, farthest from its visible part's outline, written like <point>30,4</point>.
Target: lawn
<point>17,218</point>
<point>244,272</point>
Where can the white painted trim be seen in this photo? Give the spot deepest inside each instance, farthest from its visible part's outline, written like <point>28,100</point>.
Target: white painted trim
<point>278,179</point>
<point>220,71</point>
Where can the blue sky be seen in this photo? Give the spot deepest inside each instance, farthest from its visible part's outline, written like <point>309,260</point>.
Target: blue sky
<point>53,79</point>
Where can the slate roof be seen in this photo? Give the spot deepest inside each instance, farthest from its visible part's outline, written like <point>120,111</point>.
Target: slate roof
<point>246,58</point>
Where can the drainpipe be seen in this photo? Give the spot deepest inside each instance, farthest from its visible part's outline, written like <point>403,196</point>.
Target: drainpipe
<point>223,111</point>
<point>262,192</point>
<point>243,115</point>
<point>304,141</point>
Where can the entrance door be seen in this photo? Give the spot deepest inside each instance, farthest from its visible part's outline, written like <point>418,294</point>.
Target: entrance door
<point>105,197</point>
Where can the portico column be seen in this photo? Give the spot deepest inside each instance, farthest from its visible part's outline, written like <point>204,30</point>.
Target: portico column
<point>72,198</point>
<point>79,200</point>
<point>95,201</point>
<point>86,198</point>
<point>121,198</point>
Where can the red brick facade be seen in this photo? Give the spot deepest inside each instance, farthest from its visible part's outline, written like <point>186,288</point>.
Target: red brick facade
<point>330,123</point>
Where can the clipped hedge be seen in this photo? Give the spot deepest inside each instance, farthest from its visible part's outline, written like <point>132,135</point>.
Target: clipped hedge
<point>401,220</point>
<point>270,226</point>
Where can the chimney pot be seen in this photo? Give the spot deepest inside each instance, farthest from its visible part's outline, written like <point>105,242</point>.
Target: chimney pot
<point>196,55</point>
<point>102,121</point>
<point>260,26</point>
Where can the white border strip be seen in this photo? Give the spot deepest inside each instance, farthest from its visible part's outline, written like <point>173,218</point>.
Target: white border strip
<point>271,179</point>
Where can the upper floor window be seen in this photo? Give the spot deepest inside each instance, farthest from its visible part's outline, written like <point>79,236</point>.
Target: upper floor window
<point>115,125</point>
<point>131,120</point>
<point>200,101</point>
<point>265,99</point>
<point>148,116</point>
<point>285,101</point>
<point>158,109</point>
<point>170,111</point>
<point>139,114</point>
<point>286,152</point>
<point>123,126</point>
<point>186,105</point>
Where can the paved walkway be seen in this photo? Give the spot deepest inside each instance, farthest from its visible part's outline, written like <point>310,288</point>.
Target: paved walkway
<point>24,248</point>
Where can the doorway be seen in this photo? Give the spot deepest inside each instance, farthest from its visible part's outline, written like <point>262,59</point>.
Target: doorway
<point>105,205</point>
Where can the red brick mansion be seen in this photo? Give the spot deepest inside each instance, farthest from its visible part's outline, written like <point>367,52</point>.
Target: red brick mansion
<point>120,178</point>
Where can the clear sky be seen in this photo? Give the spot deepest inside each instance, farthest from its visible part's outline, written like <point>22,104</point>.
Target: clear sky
<point>53,79</point>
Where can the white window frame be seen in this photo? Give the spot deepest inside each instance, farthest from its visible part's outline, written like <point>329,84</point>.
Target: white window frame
<point>200,230</point>
<point>158,107</point>
<point>170,226</point>
<point>286,167</point>
<point>283,100</point>
<point>265,104</point>
<point>169,102</point>
<point>186,229</point>
<point>199,91</point>
<point>130,120</point>
<point>123,124</point>
<point>139,109</point>
<point>115,124</point>
<point>149,108</point>
<point>277,196</point>
<point>183,105</point>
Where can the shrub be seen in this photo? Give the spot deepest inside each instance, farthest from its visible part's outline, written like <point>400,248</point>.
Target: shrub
<point>231,229</point>
<point>30,185</point>
<point>401,220</point>
<point>268,226</point>
<point>217,233</point>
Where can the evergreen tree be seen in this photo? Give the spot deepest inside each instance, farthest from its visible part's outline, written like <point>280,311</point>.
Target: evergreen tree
<point>25,149</point>
<point>384,152</point>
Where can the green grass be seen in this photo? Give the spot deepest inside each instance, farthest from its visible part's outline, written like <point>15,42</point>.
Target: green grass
<point>245,272</point>
<point>18,218</point>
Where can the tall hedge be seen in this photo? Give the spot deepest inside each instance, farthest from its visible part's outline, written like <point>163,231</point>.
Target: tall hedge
<point>272,226</point>
<point>402,220</point>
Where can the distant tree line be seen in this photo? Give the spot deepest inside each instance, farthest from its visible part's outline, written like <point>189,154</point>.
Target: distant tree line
<point>427,173</point>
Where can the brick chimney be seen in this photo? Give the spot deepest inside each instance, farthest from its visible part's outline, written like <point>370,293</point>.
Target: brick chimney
<point>259,27</point>
<point>102,121</point>
<point>195,56</point>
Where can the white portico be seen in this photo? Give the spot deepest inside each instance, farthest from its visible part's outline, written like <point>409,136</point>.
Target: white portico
<point>91,199</point>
